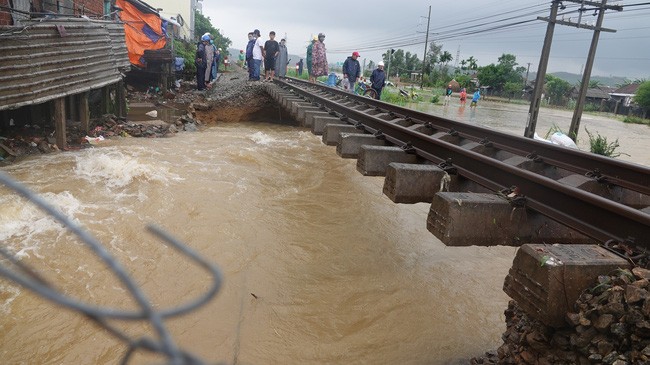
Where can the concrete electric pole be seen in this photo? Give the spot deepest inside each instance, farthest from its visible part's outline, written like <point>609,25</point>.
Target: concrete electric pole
<point>541,73</point>
<point>580,104</point>
<point>426,43</point>
<point>536,99</point>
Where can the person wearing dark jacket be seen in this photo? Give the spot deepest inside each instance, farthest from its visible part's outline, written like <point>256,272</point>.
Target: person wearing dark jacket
<point>249,55</point>
<point>201,62</point>
<point>377,79</point>
<point>352,70</point>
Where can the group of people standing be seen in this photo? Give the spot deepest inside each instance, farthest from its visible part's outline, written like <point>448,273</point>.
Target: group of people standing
<point>208,57</point>
<point>463,97</point>
<point>274,55</point>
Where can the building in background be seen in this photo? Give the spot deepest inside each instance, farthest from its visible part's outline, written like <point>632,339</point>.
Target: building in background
<point>180,12</point>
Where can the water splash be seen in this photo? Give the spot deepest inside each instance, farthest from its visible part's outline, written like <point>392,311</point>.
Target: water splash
<point>262,138</point>
<point>117,169</point>
<point>24,228</point>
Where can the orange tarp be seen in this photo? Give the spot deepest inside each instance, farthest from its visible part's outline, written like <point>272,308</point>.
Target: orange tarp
<point>143,30</point>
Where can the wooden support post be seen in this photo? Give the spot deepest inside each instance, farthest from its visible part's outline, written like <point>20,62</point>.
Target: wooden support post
<point>164,79</point>
<point>84,111</point>
<point>5,119</point>
<point>59,122</point>
<point>120,100</point>
<point>70,107</point>
<point>106,100</point>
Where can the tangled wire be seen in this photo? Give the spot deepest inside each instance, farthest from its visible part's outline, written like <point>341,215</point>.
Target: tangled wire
<point>18,272</point>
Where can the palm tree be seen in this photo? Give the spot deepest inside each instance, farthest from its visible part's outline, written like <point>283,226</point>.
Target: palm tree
<point>463,65</point>
<point>444,59</point>
<point>593,84</point>
<point>472,63</point>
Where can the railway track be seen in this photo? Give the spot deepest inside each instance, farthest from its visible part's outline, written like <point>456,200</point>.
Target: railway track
<point>603,198</point>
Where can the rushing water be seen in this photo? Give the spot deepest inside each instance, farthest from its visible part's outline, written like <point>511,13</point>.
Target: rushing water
<point>341,274</point>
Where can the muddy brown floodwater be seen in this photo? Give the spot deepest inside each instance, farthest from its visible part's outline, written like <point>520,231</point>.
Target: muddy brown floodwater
<point>319,266</point>
<point>340,273</point>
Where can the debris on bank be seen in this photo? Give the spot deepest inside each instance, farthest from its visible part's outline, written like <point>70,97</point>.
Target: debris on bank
<point>232,99</point>
<point>610,325</point>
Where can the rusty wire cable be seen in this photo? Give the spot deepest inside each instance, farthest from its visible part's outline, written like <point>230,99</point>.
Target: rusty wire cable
<point>164,344</point>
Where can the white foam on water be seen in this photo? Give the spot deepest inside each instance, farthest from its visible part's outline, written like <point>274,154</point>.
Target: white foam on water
<point>114,168</point>
<point>23,226</point>
<point>262,138</point>
<point>8,294</point>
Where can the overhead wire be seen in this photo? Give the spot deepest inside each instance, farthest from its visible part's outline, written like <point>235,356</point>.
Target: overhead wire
<point>476,27</point>
<point>411,39</point>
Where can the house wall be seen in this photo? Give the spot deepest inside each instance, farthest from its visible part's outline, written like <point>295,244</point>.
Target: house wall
<point>173,8</point>
<point>5,17</point>
<point>89,8</point>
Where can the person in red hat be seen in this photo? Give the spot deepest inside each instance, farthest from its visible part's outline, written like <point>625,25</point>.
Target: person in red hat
<point>351,71</point>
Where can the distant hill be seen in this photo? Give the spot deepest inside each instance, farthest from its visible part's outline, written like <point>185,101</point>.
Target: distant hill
<point>574,79</point>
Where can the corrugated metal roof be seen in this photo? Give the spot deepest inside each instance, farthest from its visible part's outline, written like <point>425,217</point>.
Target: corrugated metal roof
<point>627,89</point>
<point>53,58</point>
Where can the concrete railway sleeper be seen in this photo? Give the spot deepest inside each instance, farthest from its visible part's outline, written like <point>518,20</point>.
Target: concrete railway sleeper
<point>599,199</point>
<point>489,188</point>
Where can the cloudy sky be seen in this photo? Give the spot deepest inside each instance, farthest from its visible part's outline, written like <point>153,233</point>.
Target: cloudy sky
<point>484,29</point>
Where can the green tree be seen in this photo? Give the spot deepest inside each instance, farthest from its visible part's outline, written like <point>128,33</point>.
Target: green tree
<point>413,63</point>
<point>464,80</point>
<point>472,63</point>
<point>463,67</point>
<point>557,89</point>
<point>512,89</point>
<point>203,24</point>
<point>498,75</point>
<point>444,59</point>
<point>389,65</point>
<point>432,56</point>
<point>371,67</point>
<point>398,64</point>
<point>593,84</point>
<point>642,96</point>
<point>624,83</point>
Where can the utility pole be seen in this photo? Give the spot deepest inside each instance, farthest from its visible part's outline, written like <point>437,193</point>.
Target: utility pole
<point>390,54</point>
<point>388,66</point>
<point>527,71</point>
<point>580,104</point>
<point>541,72</point>
<point>536,99</point>
<point>426,43</point>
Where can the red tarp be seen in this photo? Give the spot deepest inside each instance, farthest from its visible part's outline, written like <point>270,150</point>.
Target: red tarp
<point>142,27</point>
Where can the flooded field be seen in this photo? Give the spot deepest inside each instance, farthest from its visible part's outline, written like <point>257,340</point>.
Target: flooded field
<point>634,139</point>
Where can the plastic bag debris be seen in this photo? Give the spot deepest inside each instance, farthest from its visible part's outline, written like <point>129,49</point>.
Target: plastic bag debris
<point>562,140</point>
<point>94,140</point>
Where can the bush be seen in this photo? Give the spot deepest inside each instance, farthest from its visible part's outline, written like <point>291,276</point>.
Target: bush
<point>636,120</point>
<point>188,52</point>
<point>600,146</point>
<point>435,98</point>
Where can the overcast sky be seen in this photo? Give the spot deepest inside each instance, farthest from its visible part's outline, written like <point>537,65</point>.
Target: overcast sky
<point>484,29</point>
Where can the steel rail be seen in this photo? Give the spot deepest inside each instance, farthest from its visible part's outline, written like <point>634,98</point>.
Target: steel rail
<point>624,174</point>
<point>592,215</point>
